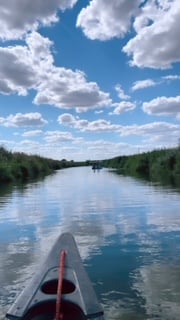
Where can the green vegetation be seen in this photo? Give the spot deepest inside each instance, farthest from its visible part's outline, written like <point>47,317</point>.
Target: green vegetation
<point>159,165</point>
<point>17,166</point>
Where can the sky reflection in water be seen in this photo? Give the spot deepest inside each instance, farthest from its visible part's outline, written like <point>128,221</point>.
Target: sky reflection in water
<point>127,231</point>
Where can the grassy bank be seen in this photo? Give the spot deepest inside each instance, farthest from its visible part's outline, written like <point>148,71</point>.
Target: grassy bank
<point>160,165</point>
<point>20,167</point>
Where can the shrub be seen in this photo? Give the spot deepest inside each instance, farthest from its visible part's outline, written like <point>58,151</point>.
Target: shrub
<point>5,173</point>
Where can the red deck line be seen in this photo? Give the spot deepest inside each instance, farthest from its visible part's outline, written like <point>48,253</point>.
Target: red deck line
<point>59,314</point>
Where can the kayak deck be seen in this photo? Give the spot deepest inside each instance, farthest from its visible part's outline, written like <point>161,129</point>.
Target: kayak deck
<point>38,300</point>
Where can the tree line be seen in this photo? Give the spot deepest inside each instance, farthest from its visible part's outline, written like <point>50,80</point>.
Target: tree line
<point>19,166</point>
<point>158,165</point>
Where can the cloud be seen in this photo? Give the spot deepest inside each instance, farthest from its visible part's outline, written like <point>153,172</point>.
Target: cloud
<point>123,106</point>
<point>67,89</point>
<point>16,71</point>
<point>84,125</point>
<point>32,67</point>
<point>164,131</point>
<point>102,149</point>
<point>101,125</point>
<point>157,134</point>
<point>78,148</point>
<point>58,136</point>
<point>67,119</point>
<point>120,93</point>
<point>142,84</point>
<point>18,17</point>
<point>104,20</point>
<point>151,134</point>
<point>163,106</point>
<point>39,50</point>
<point>156,283</point>
<point>171,77</point>
<point>23,67</point>
<point>157,43</point>
<point>32,133</point>
<point>98,111</point>
<point>29,144</point>
<point>23,120</point>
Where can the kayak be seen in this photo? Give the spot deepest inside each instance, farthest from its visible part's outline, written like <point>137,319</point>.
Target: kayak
<point>61,288</point>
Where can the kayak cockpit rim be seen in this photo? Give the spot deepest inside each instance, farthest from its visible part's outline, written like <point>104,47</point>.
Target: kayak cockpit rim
<point>38,300</point>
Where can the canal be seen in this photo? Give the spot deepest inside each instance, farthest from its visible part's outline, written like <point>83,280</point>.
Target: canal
<point>127,232</point>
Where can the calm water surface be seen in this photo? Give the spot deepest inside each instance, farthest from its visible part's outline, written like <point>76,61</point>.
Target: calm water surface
<point>127,231</point>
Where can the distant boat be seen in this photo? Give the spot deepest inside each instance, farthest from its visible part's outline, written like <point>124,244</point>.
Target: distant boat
<point>96,166</point>
<point>61,288</point>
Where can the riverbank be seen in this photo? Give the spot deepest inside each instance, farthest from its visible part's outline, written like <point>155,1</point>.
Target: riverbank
<point>160,165</point>
<point>15,167</point>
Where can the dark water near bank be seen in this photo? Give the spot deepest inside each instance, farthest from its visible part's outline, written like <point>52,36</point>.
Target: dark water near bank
<point>127,231</point>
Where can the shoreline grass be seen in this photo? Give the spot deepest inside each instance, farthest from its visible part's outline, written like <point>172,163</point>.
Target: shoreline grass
<point>15,167</point>
<point>161,166</point>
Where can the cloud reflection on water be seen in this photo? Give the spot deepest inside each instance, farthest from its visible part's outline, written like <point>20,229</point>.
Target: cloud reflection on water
<point>105,212</point>
<point>159,286</point>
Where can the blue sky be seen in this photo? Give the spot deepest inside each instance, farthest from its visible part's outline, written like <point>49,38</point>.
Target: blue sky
<point>89,79</point>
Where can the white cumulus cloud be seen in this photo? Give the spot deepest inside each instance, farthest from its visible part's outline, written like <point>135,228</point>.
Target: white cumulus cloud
<point>142,84</point>
<point>157,43</point>
<point>31,66</point>
<point>103,19</point>
<point>58,136</point>
<point>17,17</point>
<point>84,125</point>
<point>32,133</point>
<point>23,120</point>
<point>123,106</point>
<point>163,106</point>
<point>120,92</point>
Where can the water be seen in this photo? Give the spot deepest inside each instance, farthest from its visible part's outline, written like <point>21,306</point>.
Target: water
<point>127,231</point>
